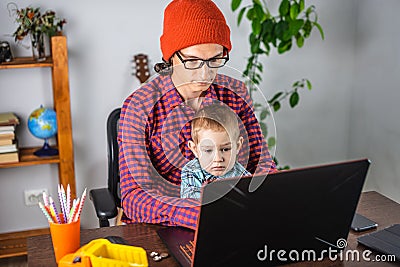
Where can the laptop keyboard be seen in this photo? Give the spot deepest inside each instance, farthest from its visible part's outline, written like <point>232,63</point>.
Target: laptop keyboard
<point>187,249</point>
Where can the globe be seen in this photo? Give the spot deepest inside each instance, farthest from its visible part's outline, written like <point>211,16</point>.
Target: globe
<point>42,123</point>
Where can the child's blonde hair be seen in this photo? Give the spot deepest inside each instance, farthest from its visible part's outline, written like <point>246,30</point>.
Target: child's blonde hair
<point>216,117</point>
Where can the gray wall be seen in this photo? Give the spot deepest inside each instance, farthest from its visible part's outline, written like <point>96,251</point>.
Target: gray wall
<point>350,112</point>
<point>375,124</point>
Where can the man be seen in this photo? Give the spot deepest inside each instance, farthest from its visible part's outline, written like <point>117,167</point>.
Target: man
<point>155,119</point>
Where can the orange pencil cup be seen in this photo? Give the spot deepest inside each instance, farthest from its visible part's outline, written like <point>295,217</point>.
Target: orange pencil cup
<point>66,238</point>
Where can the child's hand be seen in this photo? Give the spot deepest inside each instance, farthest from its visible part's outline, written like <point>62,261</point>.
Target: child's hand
<point>210,180</point>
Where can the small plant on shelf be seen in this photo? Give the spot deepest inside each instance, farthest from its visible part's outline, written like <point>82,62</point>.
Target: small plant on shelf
<point>35,24</point>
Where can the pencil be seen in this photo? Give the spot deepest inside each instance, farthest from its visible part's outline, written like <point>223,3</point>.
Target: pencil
<point>54,209</point>
<point>68,199</point>
<point>45,199</point>
<point>73,211</point>
<point>49,219</point>
<point>60,199</point>
<point>80,206</point>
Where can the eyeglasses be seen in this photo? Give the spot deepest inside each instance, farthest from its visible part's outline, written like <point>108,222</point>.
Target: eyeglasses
<point>197,63</point>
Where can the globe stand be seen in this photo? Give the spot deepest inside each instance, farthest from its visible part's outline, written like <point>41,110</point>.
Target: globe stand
<point>46,150</point>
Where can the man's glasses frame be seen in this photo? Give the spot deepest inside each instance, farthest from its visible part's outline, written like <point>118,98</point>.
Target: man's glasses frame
<point>214,62</point>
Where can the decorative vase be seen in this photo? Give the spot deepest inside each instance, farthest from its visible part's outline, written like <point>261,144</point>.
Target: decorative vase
<point>38,48</point>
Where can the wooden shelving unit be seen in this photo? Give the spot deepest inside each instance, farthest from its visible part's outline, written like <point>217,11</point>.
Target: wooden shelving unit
<point>27,158</point>
<point>26,62</point>
<point>14,244</point>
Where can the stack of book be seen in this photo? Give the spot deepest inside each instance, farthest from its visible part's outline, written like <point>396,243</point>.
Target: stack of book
<point>8,142</point>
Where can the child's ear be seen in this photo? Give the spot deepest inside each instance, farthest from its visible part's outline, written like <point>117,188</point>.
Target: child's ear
<point>192,146</point>
<point>239,144</point>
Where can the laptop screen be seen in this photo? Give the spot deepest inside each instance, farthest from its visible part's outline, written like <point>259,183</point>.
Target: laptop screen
<point>303,210</point>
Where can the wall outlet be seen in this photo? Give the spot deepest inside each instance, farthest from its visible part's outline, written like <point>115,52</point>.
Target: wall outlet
<point>34,196</point>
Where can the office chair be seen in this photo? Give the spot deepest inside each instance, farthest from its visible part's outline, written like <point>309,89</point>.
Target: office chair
<point>107,201</point>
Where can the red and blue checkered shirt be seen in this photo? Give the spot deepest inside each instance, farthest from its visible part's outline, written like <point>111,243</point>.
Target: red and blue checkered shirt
<point>153,133</point>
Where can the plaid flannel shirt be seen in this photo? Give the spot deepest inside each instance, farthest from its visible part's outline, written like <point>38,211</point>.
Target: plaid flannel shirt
<point>153,133</point>
<point>193,177</point>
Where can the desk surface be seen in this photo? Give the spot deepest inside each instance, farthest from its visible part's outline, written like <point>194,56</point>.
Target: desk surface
<point>372,205</point>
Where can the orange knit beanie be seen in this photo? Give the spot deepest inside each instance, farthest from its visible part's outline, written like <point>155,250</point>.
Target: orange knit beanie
<point>191,22</point>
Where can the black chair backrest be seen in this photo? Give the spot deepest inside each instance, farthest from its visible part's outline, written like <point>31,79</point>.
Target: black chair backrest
<point>112,150</point>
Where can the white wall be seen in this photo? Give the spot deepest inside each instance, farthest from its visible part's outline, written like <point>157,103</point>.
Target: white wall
<point>375,123</point>
<point>332,122</point>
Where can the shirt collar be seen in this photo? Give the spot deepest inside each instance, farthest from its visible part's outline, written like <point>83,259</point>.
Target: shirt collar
<point>172,98</point>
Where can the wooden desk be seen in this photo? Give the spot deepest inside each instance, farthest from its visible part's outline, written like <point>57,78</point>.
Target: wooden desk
<point>373,205</point>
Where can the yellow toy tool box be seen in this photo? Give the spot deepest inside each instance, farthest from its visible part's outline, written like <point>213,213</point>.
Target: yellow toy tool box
<point>103,253</point>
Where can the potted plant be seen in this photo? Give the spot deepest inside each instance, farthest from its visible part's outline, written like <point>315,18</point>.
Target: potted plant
<point>35,24</point>
<point>292,24</point>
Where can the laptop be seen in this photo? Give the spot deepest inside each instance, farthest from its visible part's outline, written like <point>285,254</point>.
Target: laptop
<point>307,210</point>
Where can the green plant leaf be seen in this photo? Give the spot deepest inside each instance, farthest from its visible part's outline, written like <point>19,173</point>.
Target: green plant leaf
<point>309,85</point>
<point>307,27</point>
<point>301,5</point>
<point>286,167</point>
<point>259,12</point>
<point>284,46</point>
<point>252,39</point>
<point>255,80</point>
<point>268,33</point>
<point>263,127</point>
<point>294,99</point>
<point>249,60</point>
<point>294,11</point>
<point>260,67</point>
<point>267,48</point>
<point>271,141</point>
<point>295,26</point>
<point>310,10</point>
<point>275,97</point>
<point>284,8</point>
<point>276,105</point>
<point>321,31</point>
<point>250,14</point>
<point>296,84</point>
<point>275,160</point>
<point>253,88</point>
<point>258,77</point>
<point>264,114</point>
<point>235,4</point>
<point>282,30</point>
<point>255,46</point>
<point>299,40</point>
<point>240,16</point>
<point>268,26</point>
<point>256,27</point>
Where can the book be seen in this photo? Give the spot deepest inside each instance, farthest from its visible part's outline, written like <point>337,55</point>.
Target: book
<point>6,142</point>
<point>4,128</point>
<point>8,148</point>
<point>8,118</point>
<point>9,157</point>
<point>7,135</point>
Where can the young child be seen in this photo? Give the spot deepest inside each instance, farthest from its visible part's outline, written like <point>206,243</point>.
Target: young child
<point>215,143</point>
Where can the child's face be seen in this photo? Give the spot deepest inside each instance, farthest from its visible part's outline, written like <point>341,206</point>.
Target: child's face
<point>216,151</point>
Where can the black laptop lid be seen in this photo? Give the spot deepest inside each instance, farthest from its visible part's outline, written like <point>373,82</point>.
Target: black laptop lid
<point>303,209</point>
